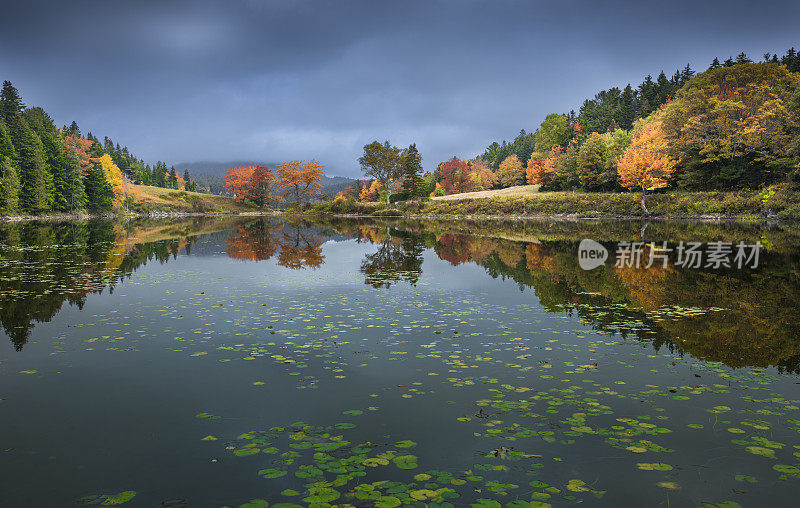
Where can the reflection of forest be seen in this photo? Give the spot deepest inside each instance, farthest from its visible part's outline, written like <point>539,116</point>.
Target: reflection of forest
<point>43,265</point>
<point>739,317</point>
<point>297,247</point>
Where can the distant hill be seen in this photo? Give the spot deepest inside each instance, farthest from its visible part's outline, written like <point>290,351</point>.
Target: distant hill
<point>210,175</point>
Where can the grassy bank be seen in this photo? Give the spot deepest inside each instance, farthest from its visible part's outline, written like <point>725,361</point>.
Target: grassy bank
<point>779,201</point>
<point>146,199</point>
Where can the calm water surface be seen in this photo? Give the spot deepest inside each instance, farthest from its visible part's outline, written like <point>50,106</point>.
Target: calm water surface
<point>214,363</point>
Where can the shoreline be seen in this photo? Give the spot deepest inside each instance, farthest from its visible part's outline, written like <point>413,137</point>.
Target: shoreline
<point>772,218</point>
<point>125,216</point>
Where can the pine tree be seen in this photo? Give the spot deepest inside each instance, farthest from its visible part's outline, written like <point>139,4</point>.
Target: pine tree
<point>173,179</point>
<point>9,187</point>
<point>10,102</point>
<point>35,181</point>
<point>187,181</point>
<point>75,188</point>
<point>412,171</point>
<point>715,64</point>
<point>99,193</point>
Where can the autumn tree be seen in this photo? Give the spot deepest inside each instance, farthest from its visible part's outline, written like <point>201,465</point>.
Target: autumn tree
<point>300,179</point>
<point>536,171</point>
<point>645,164</point>
<point>381,162</point>
<point>262,186</point>
<point>256,184</point>
<point>455,176</point>
<point>511,172</point>
<point>113,176</point>
<point>370,191</point>
<point>483,178</point>
<point>734,126</point>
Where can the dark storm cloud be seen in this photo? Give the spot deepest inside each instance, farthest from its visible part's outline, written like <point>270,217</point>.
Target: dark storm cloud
<point>272,80</point>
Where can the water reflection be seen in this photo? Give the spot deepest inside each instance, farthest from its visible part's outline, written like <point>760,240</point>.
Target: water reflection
<point>297,246</point>
<point>398,258</point>
<point>738,317</point>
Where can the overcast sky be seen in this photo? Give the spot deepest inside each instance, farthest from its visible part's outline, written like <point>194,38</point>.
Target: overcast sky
<point>299,79</point>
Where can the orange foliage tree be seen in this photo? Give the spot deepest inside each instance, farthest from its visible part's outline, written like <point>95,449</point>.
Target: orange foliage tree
<point>370,191</point>
<point>537,170</point>
<point>483,178</point>
<point>252,183</point>
<point>645,164</point>
<point>300,179</point>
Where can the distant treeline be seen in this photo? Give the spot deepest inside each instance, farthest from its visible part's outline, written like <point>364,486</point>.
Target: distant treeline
<point>617,108</point>
<point>44,169</point>
<point>734,126</point>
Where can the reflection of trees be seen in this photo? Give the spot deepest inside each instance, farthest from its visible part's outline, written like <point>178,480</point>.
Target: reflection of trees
<point>300,249</point>
<point>399,258</point>
<point>44,265</point>
<point>259,241</point>
<point>253,242</point>
<point>758,326</point>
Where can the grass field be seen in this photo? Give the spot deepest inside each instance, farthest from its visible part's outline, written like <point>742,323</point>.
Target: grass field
<point>510,192</point>
<point>148,199</point>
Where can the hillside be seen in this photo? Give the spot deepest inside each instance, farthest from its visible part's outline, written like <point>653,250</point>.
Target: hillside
<point>148,199</point>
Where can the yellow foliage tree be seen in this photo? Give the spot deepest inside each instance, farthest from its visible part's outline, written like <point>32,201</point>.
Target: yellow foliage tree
<point>510,172</point>
<point>645,164</point>
<point>114,176</point>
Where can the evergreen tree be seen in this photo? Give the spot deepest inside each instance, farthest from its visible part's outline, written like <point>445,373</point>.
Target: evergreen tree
<point>75,188</point>
<point>187,181</point>
<point>9,187</point>
<point>10,102</point>
<point>173,179</point>
<point>99,193</point>
<point>35,181</point>
<point>627,108</point>
<point>6,145</point>
<point>715,64</point>
<point>412,171</point>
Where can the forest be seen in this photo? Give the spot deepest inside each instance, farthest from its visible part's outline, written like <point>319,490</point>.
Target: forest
<point>734,126</point>
<point>49,170</point>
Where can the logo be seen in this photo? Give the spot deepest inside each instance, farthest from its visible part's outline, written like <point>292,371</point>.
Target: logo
<point>591,254</point>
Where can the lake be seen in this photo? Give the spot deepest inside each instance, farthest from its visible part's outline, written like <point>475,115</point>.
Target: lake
<point>253,361</point>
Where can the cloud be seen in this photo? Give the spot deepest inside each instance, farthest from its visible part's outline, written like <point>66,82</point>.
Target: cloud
<point>263,79</point>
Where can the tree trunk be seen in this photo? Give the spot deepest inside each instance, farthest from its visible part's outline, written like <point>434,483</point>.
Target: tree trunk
<point>643,205</point>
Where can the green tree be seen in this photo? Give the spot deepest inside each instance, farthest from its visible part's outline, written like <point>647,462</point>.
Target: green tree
<point>99,193</point>
<point>592,157</point>
<point>381,162</point>
<point>9,187</point>
<point>35,181</point>
<point>412,171</point>
<point>173,179</point>
<point>554,131</point>
<point>10,102</point>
